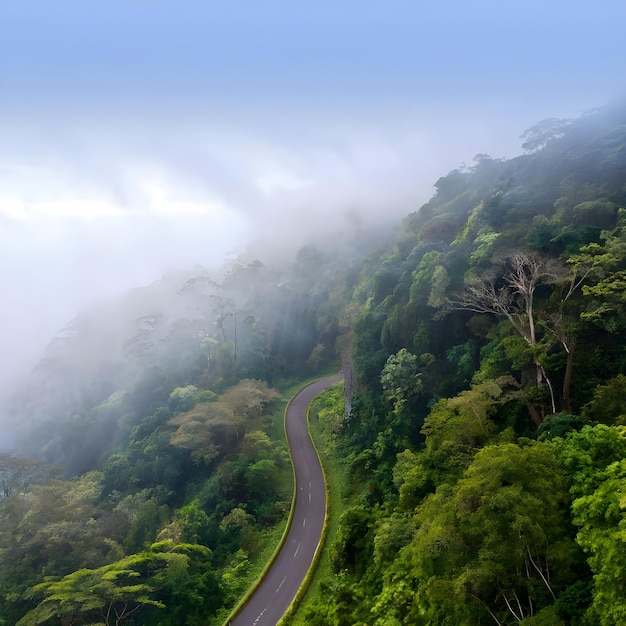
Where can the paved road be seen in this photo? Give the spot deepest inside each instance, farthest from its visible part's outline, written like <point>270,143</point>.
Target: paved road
<point>274,595</point>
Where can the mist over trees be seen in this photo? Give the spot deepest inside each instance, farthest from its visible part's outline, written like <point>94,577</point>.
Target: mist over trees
<point>483,438</point>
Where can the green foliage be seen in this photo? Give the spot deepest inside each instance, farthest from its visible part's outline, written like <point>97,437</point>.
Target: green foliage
<point>559,424</point>
<point>605,263</point>
<point>601,522</point>
<point>352,547</point>
<point>391,535</point>
<point>595,461</point>
<point>477,526</point>
<point>401,379</point>
<point>147,518</point>
<point>546,617</point>
<point>183,398</point>
<point>212,429</point>
<point>489,537</point>
<point>483,247</point>
<point>193,523</point>
<point>132,585</point>
<point>571,605</point>
<point>586,454</point>
<point>494,316</point>
<point>456,427</point>
<point>66,530</point>
<point>609,402</point>
<point>111,593</point>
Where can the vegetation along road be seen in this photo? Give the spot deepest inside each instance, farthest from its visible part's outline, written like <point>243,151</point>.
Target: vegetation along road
<point>276,592</point>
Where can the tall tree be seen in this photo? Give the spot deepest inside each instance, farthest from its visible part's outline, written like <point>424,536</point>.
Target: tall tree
<point>513,297</point>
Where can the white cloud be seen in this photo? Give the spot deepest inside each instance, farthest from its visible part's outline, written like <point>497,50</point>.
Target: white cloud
<point>71,207</point>
<point>274,178</point>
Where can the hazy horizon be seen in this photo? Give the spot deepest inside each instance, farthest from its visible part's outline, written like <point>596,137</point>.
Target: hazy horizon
<point>138,138</point>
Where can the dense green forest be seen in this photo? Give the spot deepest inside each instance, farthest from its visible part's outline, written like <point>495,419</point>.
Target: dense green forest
<point>484,347</point>
<point>486,438</point>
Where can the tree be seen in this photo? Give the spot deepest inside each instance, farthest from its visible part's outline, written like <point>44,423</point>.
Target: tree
<point>513,297</point>
<point>542,133</point>
<point>593,462</point>
<point>16,474</point>
<point>585,454</point>
<point>57,527</point>
<point>246,402</point>
<point>401,379</point>
<point>392,534</point>
<point>605,264</point>
<point>496,543</point>
<point>456,428</point>
<point>183,398</point>
<point>609,402</point>
<point>212,429</point>
<point>565,321</point>
<point>559,424</point>
<point>352,547</point>
<point>601,521</point>
<point>112,593</point>
<point>207,431</point>
<point>115,593</point>
<point>402,384</point>
<point>440,283</point>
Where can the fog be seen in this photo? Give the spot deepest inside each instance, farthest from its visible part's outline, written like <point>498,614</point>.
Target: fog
<point>139,138</point>
<point>100,213</point>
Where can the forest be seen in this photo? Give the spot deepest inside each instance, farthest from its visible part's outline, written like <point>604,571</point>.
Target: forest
<point>480,431</point>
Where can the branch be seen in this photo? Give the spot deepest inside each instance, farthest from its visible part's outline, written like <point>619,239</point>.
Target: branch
<point>478,297</point>
<point>108,614</point>
<point>543,372</point>
<point>508,604</point>
<point>475,412</point>
<point>519,604</point>
<point>483,297</point>
<point>547,584</point>
<point>575,284</point>
<point>486,607</point>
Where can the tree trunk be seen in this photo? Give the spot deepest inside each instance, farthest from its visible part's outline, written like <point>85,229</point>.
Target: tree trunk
<point>346,372</point>
<point>534,414</point>
<point>567,380</point>
<point>552,400</point>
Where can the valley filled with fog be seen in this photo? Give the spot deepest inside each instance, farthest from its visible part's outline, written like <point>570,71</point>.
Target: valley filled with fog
<point>205,206</point>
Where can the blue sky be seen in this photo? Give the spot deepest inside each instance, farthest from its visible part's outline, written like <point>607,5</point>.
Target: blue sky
<point>139,136</point>
<point>197,54</point>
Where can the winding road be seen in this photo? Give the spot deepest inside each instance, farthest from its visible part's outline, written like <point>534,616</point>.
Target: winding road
<point>267,605</point>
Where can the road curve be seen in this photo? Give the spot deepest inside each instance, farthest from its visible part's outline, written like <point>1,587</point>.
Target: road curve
<point>272,598</point>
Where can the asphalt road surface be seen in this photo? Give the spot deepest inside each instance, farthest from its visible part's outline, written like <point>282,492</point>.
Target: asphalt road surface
<point>272,598</point>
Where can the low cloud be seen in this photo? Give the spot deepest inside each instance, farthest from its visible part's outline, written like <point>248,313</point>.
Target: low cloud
<point>95,207</point>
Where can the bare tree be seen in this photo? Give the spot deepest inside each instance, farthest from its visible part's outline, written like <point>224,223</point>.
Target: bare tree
<point>513,296</point>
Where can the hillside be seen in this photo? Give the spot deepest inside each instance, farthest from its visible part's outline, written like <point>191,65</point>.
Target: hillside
<point>484,440</point>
